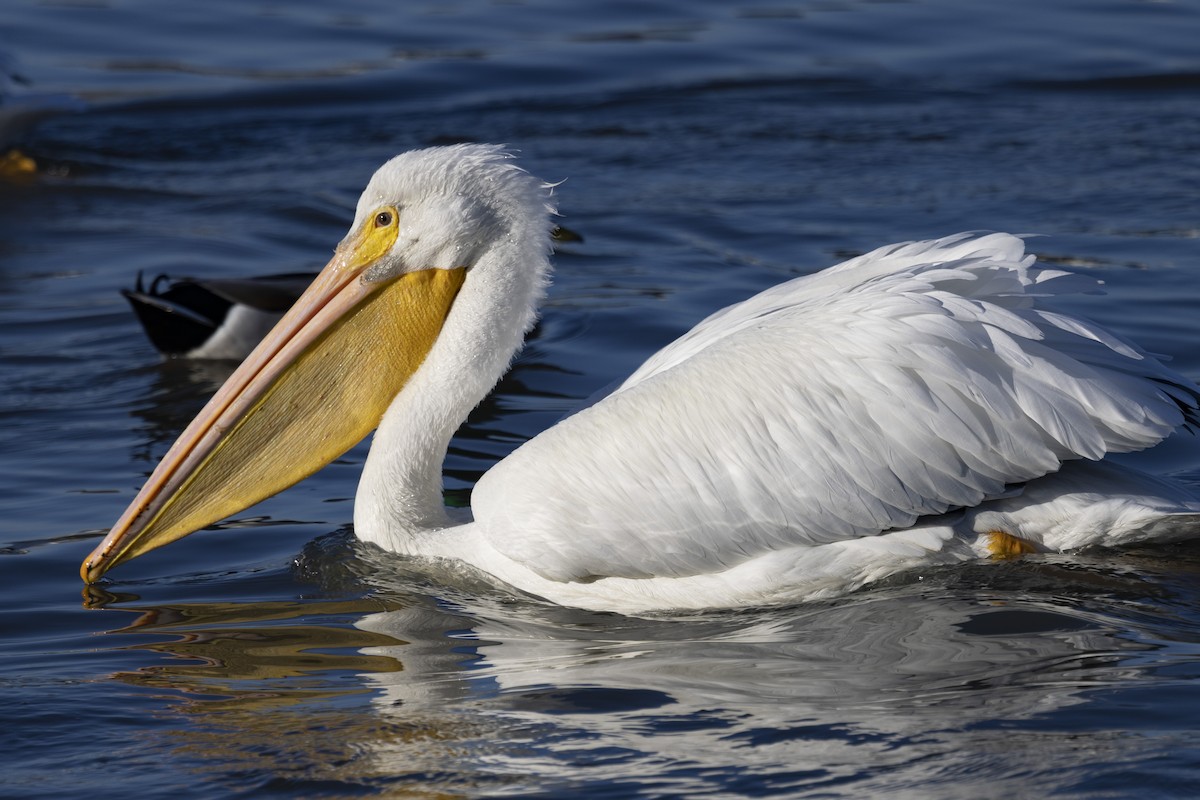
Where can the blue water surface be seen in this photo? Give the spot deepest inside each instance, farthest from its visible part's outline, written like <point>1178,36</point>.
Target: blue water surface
<point>707,150</point>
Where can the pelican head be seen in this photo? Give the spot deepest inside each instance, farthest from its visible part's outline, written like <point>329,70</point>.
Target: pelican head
<point>446,243</point>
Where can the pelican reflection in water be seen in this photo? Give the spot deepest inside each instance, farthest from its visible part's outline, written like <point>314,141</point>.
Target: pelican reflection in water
<point>901,687</point>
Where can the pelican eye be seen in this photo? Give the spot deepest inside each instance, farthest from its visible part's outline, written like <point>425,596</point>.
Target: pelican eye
<point>383,219</point>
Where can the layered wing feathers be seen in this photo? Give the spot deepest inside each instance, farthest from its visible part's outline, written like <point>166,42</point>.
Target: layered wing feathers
<point>908,381</point>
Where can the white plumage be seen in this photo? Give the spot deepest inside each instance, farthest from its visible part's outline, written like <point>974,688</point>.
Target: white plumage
<point>891,411</point>
<point>759,457</point>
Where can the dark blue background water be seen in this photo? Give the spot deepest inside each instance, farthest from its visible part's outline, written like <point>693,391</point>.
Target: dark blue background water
<point>709,150</point>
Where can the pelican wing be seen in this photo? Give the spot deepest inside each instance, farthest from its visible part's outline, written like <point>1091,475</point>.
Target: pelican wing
<point>908,381</point>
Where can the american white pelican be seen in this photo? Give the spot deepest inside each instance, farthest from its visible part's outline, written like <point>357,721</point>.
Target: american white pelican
<point>910,406</point>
